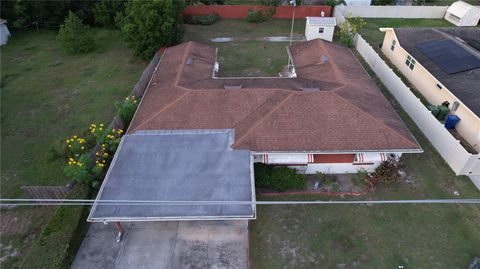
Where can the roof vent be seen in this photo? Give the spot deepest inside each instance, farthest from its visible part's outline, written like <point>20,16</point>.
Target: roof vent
<point>324,59</point>
<point>311,89</point>
<point>232,87</point>
<point>190,61</point>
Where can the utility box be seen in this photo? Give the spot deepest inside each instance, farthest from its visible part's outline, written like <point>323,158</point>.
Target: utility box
<point>463,14</point>
<point>320,27</point>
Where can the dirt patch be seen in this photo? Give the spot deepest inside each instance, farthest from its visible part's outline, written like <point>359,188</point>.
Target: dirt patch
<point>18,221</point>
<point>334,183</point>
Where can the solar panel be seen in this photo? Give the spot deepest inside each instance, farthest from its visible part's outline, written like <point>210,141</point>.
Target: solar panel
<point>449,56</point>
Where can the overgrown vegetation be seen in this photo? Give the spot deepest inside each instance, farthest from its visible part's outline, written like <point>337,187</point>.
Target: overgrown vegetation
<point>389,170</point>
<point>349,28</point>
<point>57,244</point>
<point>126,109</point>
<point>203,20</point>
<point>329,180</point>
<point>334,3</point>
<point>105,11</point>
<point>149,25</point>
<point>279,178</point>
<point>361,178</point>
<point>74,37</point>
<point>261,15</point>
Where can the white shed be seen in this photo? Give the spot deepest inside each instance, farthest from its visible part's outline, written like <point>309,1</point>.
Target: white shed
<point>320,27</point>
<point>4,33</point>
<point>463,14</point>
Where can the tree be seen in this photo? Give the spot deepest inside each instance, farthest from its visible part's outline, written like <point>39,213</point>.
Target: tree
<point>74,37</point>
<point>349,28</point>
<point>105,11</point>
<point>149,25</point>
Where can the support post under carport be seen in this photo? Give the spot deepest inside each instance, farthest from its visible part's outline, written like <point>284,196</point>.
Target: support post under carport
<point>120,230</point>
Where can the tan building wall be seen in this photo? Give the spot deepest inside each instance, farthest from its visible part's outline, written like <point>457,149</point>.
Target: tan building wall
<point>426,84</point>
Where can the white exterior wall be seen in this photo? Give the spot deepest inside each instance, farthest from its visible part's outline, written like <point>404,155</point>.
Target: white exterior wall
<point>410,12</point>
<point>304,163</point>
<point>311,32</point>
<point>426,84</point>
<point>461,162</point>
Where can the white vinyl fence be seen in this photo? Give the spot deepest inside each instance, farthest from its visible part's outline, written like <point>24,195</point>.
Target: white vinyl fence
<point>461,161</point>
<point>410,12</point>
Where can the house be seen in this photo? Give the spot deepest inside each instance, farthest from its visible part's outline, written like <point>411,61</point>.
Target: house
<point>444,65</point>
<point>331,117</point>
<point>189,151</point>
<point>4,33</point>
<point>462,14</point>
<point>320,27</point>
<point>197,136</point>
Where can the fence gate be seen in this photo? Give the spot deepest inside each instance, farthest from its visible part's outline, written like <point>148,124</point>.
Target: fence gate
<point>46,192</point>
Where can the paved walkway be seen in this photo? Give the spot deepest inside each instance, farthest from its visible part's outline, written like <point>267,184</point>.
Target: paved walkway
<point>171,244</point>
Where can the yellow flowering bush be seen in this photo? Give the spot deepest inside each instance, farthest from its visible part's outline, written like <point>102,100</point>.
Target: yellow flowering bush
<point>78,169</point>
<point>126,109</point>
<point>75,146</point>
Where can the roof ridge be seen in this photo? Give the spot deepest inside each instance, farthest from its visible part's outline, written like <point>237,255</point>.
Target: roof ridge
<point>189,45</point>
<point>372,117</point>
<point>239,139</point>
<point>334,65</point>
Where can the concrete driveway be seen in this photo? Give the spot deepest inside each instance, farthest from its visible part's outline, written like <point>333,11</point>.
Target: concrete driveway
<point>186,245</point>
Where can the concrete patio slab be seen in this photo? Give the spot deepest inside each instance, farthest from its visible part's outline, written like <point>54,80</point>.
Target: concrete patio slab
<point>188,244</point>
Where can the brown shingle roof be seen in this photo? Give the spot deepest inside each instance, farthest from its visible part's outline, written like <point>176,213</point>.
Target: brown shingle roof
<point>346,113</point>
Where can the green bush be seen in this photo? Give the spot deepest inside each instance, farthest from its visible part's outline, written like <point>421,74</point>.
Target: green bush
<point>203,20</point>
<point>126,109</point>
<point>105,11</point>
<point>326,179</point>
<point>349,28</point>
<point>278,178</point>
<point>334,3</point>
<point>256,16</point>
<point>361,178</point>
<point>74,37</point>
<point>57,244</point>
<point>149,25</point>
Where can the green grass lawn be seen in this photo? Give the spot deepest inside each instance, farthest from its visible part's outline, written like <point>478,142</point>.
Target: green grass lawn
<point>377,236</point>
<point>249,57</point>
<point>375,37</point>
<point>47,95</point>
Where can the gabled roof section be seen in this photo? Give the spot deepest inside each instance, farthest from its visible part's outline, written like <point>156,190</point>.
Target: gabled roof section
<point>464,85</point>
<point>332,104</point>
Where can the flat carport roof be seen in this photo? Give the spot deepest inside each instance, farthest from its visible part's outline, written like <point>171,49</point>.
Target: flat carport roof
<point>177,165</point>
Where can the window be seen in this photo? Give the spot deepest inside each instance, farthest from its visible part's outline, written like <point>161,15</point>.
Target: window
<point>320,30</point>
<point>394,42</point>
<point>410,62</point>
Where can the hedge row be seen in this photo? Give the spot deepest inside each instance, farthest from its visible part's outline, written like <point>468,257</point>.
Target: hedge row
<point>279,178</point>
<point>57,244</point>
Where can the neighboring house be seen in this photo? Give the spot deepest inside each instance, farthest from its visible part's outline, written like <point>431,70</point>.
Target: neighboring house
<point>444,65</point>
<point>4,33</point>
<point>462,14</point>
<point>320,27</point>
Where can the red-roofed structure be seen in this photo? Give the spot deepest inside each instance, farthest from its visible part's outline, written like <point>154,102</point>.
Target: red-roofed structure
<point>331,107</point>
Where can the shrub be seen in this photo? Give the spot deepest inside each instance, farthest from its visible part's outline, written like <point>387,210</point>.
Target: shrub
<point>349,28</point>
<point>326,179</point>
<point>335,187</point>
<point>58,242</point>
<point>203,20</point>
<point>256,16</point>
<point>388,170</point>
<point>106,10</point>
<point>74,37</point>
<point>334,3</point>
<point>126,109</point>
<point>277,178</point>
<point>149,25</point>
<point>361,178</point>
